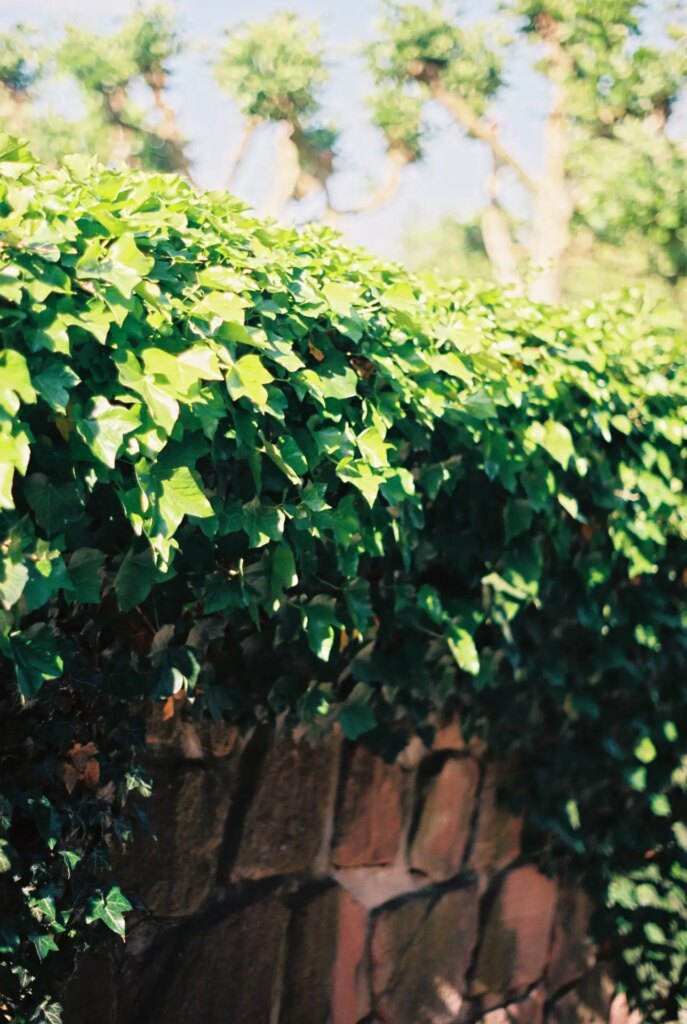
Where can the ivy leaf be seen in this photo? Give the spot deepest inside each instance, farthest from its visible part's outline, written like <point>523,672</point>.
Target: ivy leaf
<point>373,447</point>
<point>356,715</point>
<point>44,943</point>
<point>15,381</point>
<point>517,517</point>
<point>262,522</point>
<point>340,296</point>
<point>84,573</point>
<point>554,438</point>
<point>135,578</point>
<point>288,457</point>
<point>54,384</point>
<point>247,379</point>
<point>36,658</point>
<point>122,264</point>
<point>361,476</point>
<point>13,579</point>
<point>463,649</point>
<point>645,751</point>
<point>283,574</point>
<point>180,496</point>
<point>104,427</point>
<point>54,505</point>
<point>319,619</point>
<point>110,908</point>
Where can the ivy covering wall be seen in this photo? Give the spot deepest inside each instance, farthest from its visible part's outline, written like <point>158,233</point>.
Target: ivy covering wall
<point>252,473</point>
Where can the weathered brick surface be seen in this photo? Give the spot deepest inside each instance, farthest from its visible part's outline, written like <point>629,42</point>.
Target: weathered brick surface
<point>369,819</point>
<point>420,952</point>
<point>498,834</point>
<point>589,1002</point>
<point>175,873</point>
<point>526,1011</point>
<point>443,830</point>
<point>286,890</point>
<point>324,969</point>
<point>286,821</point>
<point>516,940</point>
<point>571,952</point>
<point>350,989</point>
<point>230,971</point>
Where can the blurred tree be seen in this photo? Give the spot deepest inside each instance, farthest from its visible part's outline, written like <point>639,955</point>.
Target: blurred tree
<point>108,70</point>
<point>611,95</point>
<point>22,64</point>
<point>274,70</point>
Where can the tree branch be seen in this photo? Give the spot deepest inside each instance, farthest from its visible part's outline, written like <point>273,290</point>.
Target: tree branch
<point>238,157</point>
<point>397,160</point>
<point>497,239</point>
<point>472,124</point>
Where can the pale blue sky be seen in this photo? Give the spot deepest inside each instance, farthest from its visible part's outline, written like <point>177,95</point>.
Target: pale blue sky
<point>448,181</point>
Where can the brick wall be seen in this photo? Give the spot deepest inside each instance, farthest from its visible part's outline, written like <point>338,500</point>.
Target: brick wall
<point>299,884</point>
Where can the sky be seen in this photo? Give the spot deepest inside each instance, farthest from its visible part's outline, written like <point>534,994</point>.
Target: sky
<point>450,179</point>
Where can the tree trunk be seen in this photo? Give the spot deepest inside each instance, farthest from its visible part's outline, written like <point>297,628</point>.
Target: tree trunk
<point>496,236</point>
<point>553,205</point>
<point>287,169</point>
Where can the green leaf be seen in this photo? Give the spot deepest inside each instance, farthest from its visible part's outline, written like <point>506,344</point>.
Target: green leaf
<point>36,658</point>
<point>104,427</point>
<point>5,858</point>
<point>15,381</point>
<point>13,579</point>
<point>645,751</point>
<point>262,522</point>
<point>463,649</point>
<point>283,574</point>
<point>122,264</point>
<point>134,579</point>
<point>333,379</point>
<point>289,458</point>
<point>554,438</point>
<point>517,517</point>
<point>373,447</point>
<point>181,495</point>
<point>55,505</point>
<point>54,384</point>
<point>340,296</point>
<point>356,715</point>
<point>84,573</point>
<point>247,379</point>
<point>110,908</point>
<point>361,476</point>
<point>319,620</point>
<point>44,943</point>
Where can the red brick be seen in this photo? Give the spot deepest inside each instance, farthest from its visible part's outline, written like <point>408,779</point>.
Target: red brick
<point>526,1011</point>
<point>588,1003</point>
<point>439,844</point>
<point>287,819</point>
<point>571,953</point>
<point>351,996</point>
<point>517,936</point>
<point>498,835</point>
<point>420,951</point>
<point>370,818</point>
<point>175,873</point>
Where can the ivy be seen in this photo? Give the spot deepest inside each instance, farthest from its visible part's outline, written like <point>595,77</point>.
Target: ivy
<point>250,468</point>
